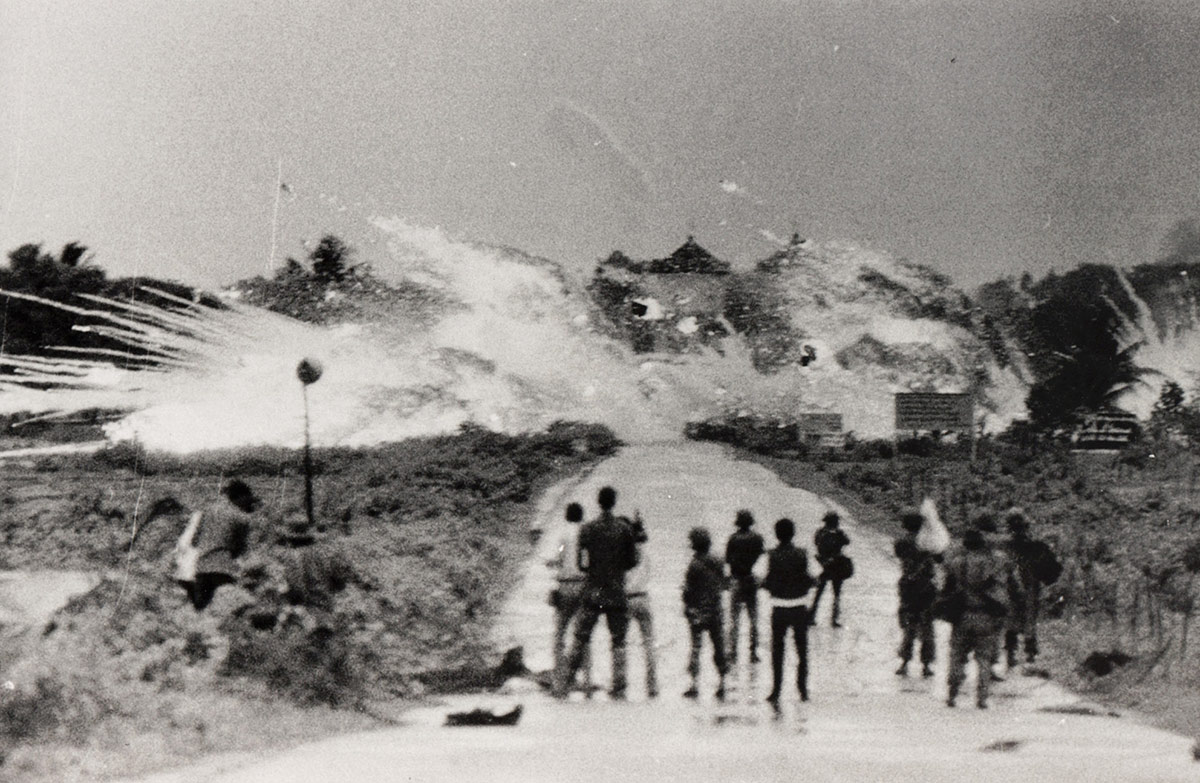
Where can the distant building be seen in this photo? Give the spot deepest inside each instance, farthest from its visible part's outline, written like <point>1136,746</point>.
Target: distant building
<point>783,258</point>
<point>689,258</point>
<point>1110,428</point>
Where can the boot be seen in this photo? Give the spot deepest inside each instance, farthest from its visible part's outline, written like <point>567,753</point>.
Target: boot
<point>618,674</point>
<point>926,671</point>
<point>903,670</point>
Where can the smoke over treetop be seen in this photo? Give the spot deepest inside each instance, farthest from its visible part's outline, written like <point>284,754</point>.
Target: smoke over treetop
<point>514,343</point>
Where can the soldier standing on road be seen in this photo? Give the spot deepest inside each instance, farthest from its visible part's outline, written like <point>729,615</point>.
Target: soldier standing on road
<point>788,581</point>
<point>567,595</point>
<point>637,583</point>
<point>836,567</point>
<point>974,601</point>
<point>1033,564</point>
<point>607,550</point>
<point>918,590</point>
<point>742,551</point>
<point>702,587</point>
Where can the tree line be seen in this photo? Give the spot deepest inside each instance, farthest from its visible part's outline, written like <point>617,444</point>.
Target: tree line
<point>1074,330</point>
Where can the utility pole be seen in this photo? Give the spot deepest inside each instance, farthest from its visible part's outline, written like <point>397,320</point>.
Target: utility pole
<point>309,372</point>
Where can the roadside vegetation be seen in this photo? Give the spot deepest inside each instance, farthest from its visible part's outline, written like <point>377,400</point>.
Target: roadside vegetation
<point>1119,625</point>
<point>420,541</point>
<point>418,545</point>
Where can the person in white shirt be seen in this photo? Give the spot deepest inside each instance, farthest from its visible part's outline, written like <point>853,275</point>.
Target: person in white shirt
<point>567,595</point>
<point>637,581</point>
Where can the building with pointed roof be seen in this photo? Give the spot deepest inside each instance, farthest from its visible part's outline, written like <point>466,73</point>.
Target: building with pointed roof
<point>689,258</point>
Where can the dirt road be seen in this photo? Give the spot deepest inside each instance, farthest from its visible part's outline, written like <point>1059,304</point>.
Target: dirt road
<point>862,724</point>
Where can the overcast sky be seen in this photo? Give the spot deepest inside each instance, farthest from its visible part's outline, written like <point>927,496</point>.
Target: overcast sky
<point>981,138</point>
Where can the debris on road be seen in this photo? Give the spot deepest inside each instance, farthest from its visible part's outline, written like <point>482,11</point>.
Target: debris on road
<point>481,717</point>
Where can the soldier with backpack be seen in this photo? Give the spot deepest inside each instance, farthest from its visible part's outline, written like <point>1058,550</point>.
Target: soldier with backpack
<point>918,590</point>
<point>974,601</point>
<point>607,550</point>
<point>787,582</point>
<point>1033,564</point>
<point>836,567</point>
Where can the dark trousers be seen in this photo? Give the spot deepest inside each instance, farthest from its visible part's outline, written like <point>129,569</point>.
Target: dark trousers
<point>1012,642</point>
<point>617,617</point>
<point>917,625</point>
<point>837,597</point>
<point>794,618</point>
<point>978,634</point>
<point>712,624</point>
<point>1023,621</point>
<point>567,603</point>
<point>743,595</point>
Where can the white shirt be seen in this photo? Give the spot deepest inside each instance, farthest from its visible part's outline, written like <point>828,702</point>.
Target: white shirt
<point>567,556</point>
<point>637,579</point>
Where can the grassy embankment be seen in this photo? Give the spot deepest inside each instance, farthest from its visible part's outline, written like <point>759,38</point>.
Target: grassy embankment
<point>1126,527</point>
<point>422,541</point>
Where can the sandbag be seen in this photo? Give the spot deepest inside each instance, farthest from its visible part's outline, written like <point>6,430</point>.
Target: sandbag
<point>933,537</point>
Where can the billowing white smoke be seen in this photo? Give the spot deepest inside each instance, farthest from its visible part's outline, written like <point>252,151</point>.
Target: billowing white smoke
<point>514,350</point>
<point>1165,354</point>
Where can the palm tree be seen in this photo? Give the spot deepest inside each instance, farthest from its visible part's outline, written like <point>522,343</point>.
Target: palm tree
<point>1082,365</point>
<point>330,259</point>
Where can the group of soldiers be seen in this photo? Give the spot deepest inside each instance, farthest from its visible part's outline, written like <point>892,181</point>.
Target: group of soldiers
<point>990,593</point>
<point>603,570</point>
<point>988,588</point>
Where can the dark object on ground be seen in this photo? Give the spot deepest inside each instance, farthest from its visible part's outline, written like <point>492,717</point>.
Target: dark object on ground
<point>484,718</point>
<point>1196,751</point>
<point>1100,664</point>
<point>1002,745</point>
<point>476,677</point>
<point>1036,671</point>
<point>1081,709</point>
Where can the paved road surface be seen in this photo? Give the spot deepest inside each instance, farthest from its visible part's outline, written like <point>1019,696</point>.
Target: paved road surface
<point>862,724</point>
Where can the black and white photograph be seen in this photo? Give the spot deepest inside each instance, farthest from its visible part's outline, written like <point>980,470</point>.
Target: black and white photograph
<point>561,390</point>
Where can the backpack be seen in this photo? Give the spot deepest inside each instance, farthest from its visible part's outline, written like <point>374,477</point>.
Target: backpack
<point>933,536</point>
<point>949,607</point>
<point>994,599</point>
<point>829,543</point>
<point>1046,565</point>
<point>186,553</point>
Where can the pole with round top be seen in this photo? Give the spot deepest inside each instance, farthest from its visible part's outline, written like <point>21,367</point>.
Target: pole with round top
<point>309,372</point>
